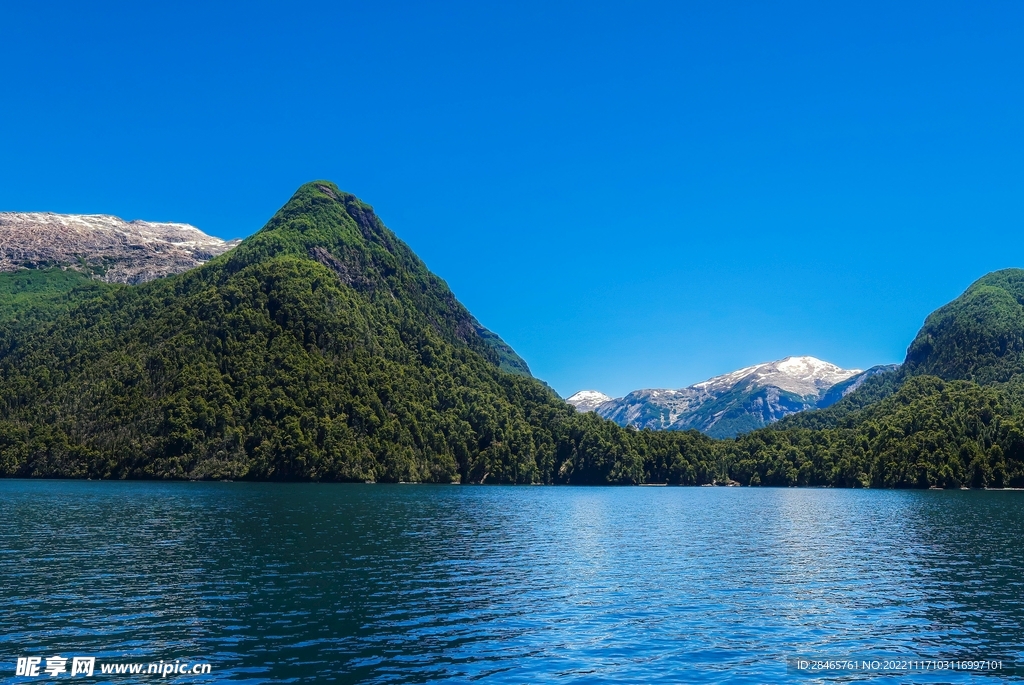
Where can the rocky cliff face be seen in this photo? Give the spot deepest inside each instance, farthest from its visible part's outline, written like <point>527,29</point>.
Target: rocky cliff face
<point>115,250</point>
<point>725,405</point>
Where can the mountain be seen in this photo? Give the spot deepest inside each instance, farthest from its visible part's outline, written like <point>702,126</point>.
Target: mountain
<point>951,416</point>
<point>588,400</point>
<point>320,348</point>
<point>853,383</point>
<point>979,336</point>
<point>110,248</point>
<point>842,402</point>
<point>725,405</point>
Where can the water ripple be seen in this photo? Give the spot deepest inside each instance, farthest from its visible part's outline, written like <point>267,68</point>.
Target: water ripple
<point>398,584</point>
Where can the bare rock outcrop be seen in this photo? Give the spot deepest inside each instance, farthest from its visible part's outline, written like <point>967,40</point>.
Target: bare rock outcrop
<point>115,250</point>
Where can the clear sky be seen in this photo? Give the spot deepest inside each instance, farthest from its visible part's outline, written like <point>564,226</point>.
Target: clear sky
<point>631,194</point>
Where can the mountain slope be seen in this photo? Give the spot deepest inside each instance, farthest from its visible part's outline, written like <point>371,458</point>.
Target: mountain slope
<point>321,348</point>
<point>843,402</point>
<point>852,384</point>
<point>929,433</point>
<point>952,415</point>
<point>33,293</point>
<point>115,250</point>
<point>978,336</point>
<point>726,405</point>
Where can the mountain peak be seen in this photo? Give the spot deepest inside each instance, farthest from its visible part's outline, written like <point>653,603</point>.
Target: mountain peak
<point>802,375</point>
<point>588,400</point>
<point>327,225</point>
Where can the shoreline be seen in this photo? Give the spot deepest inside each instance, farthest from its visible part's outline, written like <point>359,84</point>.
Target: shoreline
<point>492,485</point>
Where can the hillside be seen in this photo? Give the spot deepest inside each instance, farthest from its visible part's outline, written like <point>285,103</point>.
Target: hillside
<point>929,433</point>
<point>979,336</point>
<point>35,293</point>
<point>321,348</point>
<point>952,415</point>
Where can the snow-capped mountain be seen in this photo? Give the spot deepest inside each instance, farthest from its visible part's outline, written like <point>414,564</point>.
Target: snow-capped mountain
<point>110,248</point>
<point>588,400</point>
<point>799,375</point>
<point>725,405</point>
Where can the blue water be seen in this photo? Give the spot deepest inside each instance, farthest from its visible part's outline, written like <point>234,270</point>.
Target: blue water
<point>402,584</point>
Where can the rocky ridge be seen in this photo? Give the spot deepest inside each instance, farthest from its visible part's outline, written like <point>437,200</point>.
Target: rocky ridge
<point>110,248</point>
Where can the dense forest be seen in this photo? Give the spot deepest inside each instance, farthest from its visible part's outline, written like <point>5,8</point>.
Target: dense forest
<point>323,349</point>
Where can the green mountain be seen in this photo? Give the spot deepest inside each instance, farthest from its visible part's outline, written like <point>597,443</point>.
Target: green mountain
<point>321,348</point>
<point>951,416</point>
<point>929,433</point>
<point>979,336</point>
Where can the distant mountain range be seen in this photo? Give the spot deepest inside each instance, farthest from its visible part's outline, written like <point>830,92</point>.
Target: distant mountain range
<point>733,403</point>
<point>104,246</point>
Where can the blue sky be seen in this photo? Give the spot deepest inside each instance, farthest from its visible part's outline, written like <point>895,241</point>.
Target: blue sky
<point>631,194</point>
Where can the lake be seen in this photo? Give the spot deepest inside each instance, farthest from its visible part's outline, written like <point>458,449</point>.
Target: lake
<point>415,583</point>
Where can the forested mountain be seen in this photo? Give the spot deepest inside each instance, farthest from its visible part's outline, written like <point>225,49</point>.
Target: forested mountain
<point>951,416</point>
<point>979,336</point>
<point>321,348</point>
<point>929,433</point>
